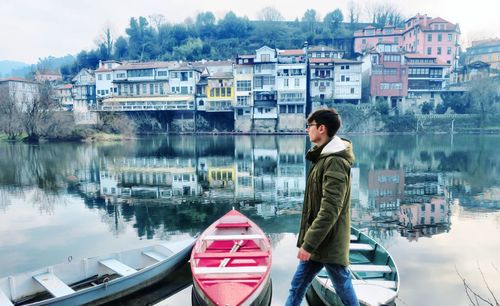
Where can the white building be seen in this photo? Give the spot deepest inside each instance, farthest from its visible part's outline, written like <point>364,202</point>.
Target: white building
<point>291,85</point>
<point>64,95</point>
<point>347,81</point>
<point>264,90</point>
<point>20,90</point>
<point>104,76</point>
<point>243,76</point>
<point>84,97</point>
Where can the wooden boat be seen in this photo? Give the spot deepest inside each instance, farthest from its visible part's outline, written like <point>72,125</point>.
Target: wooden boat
<point>231,263</point>
<point>374,272</point>
<point>96,280</point>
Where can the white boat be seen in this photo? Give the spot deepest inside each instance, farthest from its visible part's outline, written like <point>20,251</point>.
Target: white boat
<point>96,280</point>
<point>375,276</point>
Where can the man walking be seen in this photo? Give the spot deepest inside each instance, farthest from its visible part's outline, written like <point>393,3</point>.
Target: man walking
<point>325,226</point>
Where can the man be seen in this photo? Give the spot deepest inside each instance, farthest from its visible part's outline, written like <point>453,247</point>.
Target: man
<point>325,225</point>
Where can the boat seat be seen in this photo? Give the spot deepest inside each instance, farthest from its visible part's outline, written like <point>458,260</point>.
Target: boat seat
<point>374,282</point>
<point>4,300</point>
<point>233,225</point>
<point>53,284</point>
<point>223,255</point>
<point>373,295</point>
<point>370,268</point>
<point>233,237</point>
<point>354,238</point>
<point>360,247</point>
<point>230,270</point>
<point>155,255</point>
<point>118,267</point>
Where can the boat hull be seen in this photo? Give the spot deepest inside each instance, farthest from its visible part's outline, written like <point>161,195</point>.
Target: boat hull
<point>374,273</point>
<point>231,263</point>
<point>118,287</point>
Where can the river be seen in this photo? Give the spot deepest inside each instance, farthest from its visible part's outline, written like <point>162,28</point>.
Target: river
<point>433,201</point>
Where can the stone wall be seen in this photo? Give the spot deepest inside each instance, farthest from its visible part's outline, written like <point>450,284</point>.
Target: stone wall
<point>291,123</point>
<point>243,124</point>
<point>264,125</point>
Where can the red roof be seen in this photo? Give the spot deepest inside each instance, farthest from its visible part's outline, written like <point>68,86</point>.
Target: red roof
<point>320,60</point>
<point>292,52</point>
<point>15,79</point>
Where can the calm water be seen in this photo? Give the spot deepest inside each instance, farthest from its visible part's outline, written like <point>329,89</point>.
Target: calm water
<point>432,201</point>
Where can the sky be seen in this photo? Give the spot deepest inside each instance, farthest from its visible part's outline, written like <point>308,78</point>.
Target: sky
<point>33,29</point>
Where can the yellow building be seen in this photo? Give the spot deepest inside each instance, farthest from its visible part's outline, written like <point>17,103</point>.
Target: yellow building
<point>487,51</point>
<point>220,92</point>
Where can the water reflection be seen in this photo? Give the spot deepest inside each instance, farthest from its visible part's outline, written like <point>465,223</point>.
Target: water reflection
<point>404,187</point>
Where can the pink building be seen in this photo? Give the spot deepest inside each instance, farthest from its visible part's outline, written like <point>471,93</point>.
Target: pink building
<point>421,34</point>
<point>384,72</point>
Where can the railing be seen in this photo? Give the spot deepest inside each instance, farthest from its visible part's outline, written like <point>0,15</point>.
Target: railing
<point>144,106</point>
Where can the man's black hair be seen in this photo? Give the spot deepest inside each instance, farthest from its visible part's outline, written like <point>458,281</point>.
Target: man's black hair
<point>327,117</point>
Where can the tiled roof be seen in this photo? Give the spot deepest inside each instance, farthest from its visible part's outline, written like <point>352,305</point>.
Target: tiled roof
<point>143,65</point>
<point>221,75</point>
<point>246,56</point>
<point>292,52</point>
<point>320,60</point>
<point>15,79</point>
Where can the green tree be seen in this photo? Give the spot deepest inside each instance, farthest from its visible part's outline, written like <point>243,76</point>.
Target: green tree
<point>232,26</point>
<point>484,95</point>
<point>205,24</point>
<point>427,108</point>
<point>121,48</point>
<point>310,21</point>
<point>333,20</point>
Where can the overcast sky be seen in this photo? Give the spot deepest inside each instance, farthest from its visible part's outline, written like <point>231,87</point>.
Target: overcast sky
<point>32,29</point>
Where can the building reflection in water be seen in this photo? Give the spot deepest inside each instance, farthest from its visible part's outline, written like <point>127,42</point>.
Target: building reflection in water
<point>266,175</point>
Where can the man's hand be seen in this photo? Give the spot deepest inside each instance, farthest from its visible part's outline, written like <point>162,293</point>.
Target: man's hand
<point>303,255</point>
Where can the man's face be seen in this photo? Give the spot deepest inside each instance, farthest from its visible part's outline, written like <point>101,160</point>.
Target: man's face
<point>312,129</point>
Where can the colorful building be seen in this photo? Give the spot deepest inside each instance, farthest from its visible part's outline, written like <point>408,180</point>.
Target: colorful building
<point>385,74</point>
<point>486,51</point>
<point>421,34</point>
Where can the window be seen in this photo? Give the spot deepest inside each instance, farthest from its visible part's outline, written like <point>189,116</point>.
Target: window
<point>440,37</point>
<point>131,87</point>
<point>242,100</point>
<point>184,76</point>
<point>265,57</point>
<point>439,51</point>
<point>429,50</point>
<point>244,85</point>
<point>138,89</point>
<point>228,91</point>
<point>396,40</point>
<point>283,109</point>
<point>392,57</point>
<point>448,50</point>
<point>342,78</point>
<point>162,73</point>
<point>151,89</point>
<point>144,89</point>
<point>174,75</point>
<point>120,75</point>
<point>285,82</point>
<point>108,76</point>
<point>429,37</point>
<point>190,74</point>
<point>140,73</point>
<point>450,37</point>
<point>297,82</point>
<point>352,90</point>
<point>99,77</point>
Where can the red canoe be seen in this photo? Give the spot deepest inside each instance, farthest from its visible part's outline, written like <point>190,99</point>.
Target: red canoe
<point>231,263</point>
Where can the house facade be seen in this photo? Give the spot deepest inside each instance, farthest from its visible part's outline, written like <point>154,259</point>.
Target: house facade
<point>243,108</point>
<point>84,95</point>
<point>421,34</point>
<point>264,90</point>
<point>426,80</point>
<point>486,51</point>
<point>291,87</point>
<point>385,75</point>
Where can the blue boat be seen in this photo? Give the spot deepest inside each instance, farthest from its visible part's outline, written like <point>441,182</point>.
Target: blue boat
<point>374,273</point>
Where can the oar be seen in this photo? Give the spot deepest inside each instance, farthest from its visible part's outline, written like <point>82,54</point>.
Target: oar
<point>234,249</point>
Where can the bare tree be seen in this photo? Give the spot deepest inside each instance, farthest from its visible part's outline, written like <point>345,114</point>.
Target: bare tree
<point>474,297</point>
<point>484,95</point>
<point>106,39</point>
<point>10,115</point>
<point>157,20</point>
<point>383,14</point>
<point>38,112</point>
<point>270,13</point>
<point>353,12</point>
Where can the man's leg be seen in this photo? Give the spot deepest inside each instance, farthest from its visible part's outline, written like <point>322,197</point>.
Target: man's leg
<point>341,280</point>
<point>304,275</point>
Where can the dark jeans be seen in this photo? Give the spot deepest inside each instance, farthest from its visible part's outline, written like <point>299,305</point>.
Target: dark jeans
<point>307,270</point>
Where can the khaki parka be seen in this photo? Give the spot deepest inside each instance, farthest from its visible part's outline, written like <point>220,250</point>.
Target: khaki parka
<point>326,216</point>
